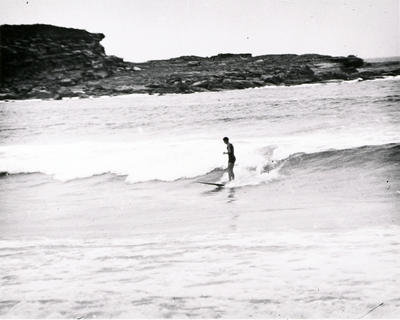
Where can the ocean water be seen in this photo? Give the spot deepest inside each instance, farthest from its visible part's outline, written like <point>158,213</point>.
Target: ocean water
<point>101,214</point>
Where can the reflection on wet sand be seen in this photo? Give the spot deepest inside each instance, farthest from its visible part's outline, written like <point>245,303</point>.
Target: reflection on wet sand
<point>231,195</point>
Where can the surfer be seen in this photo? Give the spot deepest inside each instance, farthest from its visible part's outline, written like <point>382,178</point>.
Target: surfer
<point>231,158</point>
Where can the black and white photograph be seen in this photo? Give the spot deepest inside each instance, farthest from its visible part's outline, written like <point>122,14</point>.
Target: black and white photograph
<point>200,159</point>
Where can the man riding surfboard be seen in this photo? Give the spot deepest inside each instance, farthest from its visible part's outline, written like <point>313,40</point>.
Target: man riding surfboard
<point>231,158</point>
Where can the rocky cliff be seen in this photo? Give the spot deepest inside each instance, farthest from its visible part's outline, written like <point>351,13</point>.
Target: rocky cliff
<point>44,61</point>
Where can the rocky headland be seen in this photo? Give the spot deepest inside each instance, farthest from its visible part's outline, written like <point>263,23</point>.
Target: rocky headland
<point>49,62</point>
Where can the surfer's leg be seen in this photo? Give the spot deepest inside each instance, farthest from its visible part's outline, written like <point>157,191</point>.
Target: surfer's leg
<point>230,171</point>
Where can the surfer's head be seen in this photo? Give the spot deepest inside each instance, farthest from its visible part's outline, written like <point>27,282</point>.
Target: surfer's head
<point>226,140</point>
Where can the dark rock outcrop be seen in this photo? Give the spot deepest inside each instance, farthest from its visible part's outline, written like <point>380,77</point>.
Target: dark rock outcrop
<point>43,61</point>
<point>35,56</point>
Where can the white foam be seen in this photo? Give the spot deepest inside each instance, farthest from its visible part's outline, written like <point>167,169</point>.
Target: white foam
<point>170,159</point>
<point>289,274</point>
<point>160,159</point>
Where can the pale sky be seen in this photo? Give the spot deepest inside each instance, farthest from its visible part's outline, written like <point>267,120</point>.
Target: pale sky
<point>140,30</point>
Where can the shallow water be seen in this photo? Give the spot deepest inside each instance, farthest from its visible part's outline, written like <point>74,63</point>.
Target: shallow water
<point>273,274</point>
<point>101,215</point>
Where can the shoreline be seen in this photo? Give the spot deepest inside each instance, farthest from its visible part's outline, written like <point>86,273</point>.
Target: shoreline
<point>142,94</point>
<point>50,96</point>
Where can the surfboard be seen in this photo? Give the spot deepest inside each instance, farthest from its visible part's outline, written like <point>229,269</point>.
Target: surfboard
<point>212,183</point>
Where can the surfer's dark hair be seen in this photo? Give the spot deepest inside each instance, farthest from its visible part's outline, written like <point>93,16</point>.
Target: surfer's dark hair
<point>225,139</point>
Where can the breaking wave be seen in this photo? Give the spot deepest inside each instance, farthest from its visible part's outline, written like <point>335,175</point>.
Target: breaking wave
<point>167,161</point>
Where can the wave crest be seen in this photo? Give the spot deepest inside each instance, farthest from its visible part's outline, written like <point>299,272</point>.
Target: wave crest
<point>256,165</point>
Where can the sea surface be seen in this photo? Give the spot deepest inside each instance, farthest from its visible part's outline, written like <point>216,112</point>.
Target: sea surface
<point>102,215</point>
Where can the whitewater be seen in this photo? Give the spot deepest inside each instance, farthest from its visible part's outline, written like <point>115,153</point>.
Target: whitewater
<point>101,214</point>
